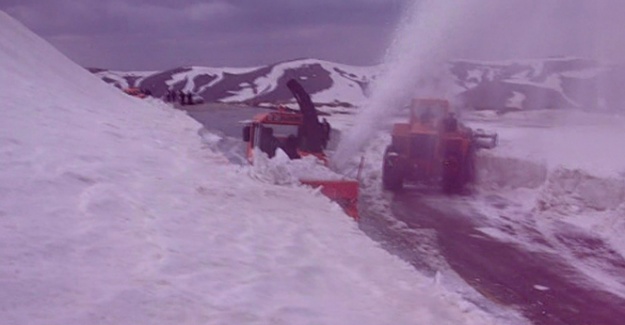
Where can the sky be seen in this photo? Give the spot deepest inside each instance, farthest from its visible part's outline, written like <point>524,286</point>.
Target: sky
<point>141,34</point>
<point>163,34</point>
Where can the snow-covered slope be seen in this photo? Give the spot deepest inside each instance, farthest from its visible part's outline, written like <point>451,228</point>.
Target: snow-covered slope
<point>113,212</point>
<point>502,86</point>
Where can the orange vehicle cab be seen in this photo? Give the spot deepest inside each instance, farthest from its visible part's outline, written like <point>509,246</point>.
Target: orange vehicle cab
<point>300,134</point>
<point>433,146</point>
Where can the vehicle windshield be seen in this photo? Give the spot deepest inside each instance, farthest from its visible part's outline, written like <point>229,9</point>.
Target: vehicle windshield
<point>282,131</point>
<point>279,131</point>
<point>429,111</point>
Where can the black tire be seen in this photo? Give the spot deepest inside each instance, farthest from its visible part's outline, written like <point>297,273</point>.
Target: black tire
<point>392,174</point>
<point>454,175</point>
<point>469,166</point>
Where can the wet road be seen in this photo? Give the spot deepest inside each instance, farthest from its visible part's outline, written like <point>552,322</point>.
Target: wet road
<point>225,118</point>
<point>541,285</point>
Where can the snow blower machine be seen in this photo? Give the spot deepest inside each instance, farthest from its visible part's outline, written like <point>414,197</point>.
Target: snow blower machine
<point>300,134</point>
<point>433,147</point>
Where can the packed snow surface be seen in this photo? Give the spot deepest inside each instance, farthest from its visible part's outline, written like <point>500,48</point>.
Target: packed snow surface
<point>113,211</point>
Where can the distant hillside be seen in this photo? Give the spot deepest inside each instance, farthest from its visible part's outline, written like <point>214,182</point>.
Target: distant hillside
<point>537,84</point>
<point>500,86</point>
<point>329,83</point>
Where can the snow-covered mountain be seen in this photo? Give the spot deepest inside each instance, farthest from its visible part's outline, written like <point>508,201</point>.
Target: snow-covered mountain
<point>564,82</point>
<point>537,84</point>
<point>329,83</point>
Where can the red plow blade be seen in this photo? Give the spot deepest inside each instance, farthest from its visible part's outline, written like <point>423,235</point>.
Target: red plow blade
<point>343,192</point>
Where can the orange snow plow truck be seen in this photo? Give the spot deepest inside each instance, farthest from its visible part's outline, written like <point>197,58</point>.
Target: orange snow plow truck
<point>300,134</point>
<point>433,147</point>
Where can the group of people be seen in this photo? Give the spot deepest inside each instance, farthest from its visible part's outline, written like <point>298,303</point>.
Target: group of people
<point>184,98</point>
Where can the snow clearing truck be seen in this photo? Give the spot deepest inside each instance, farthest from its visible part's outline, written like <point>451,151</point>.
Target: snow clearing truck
<point>300,134</point>
<point>433,147</point>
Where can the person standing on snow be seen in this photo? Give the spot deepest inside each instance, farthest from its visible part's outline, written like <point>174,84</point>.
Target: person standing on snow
<point>183,98</point>
<point>325,126</point>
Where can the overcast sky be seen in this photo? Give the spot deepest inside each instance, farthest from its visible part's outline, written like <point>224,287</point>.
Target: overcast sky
<point>162,34</point>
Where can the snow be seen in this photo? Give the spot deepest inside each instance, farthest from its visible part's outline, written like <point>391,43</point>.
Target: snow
<point>552,82</point>
<point>475,74</point>
<point>571,139</point>
<point>345,90</point>
<point>516,101</point>
<point>588,73</point>
<point>268,82</point>
<point>561,173</point>
<point>119,76</point>
<point>281,170</point>
<point>114,210</point>
<point>188,76</point>
<point>196,72</point>
<point>348,92</point>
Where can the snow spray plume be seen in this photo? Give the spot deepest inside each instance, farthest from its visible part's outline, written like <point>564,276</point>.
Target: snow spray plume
<point>420,47</point>
<point>434,31</point>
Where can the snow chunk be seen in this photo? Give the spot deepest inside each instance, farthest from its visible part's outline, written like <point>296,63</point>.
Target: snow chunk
<point>575,191</point>
<point>509,172</point>
<point>541,287</point>
<point>282,170</point>
<point>516,101</point>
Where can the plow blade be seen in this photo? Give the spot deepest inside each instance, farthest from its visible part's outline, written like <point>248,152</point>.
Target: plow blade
<point>343,192</point>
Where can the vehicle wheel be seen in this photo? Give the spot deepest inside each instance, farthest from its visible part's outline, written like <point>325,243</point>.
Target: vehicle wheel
<point>392,178</point>
<point>454,174</point>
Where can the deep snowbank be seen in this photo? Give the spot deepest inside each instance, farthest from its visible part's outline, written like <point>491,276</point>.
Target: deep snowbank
<point>563,153</point>
<point>558,166</point>
<point>576,191</point>
<point>560,191</point>
<point>500,172</point>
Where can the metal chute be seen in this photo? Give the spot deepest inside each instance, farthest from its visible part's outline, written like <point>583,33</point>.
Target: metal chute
<point>311,132</point>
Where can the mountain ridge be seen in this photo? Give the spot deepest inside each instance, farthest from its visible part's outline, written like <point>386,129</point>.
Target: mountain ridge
<point>560,82</point>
